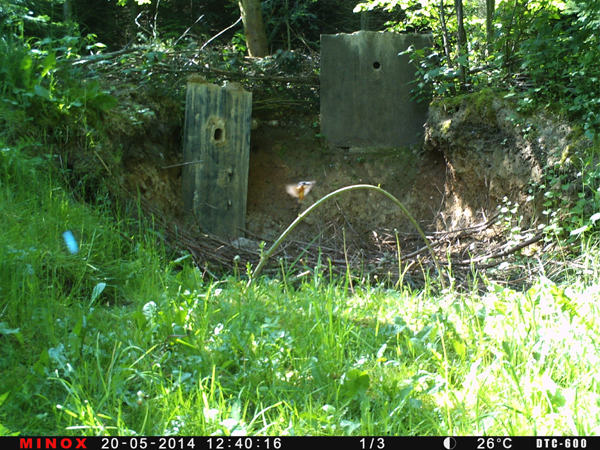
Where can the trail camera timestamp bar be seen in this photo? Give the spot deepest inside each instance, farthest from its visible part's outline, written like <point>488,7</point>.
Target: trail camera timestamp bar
<point>297,443</point>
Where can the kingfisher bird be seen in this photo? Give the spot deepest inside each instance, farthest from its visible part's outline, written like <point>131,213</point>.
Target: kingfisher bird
<point>299,190</point>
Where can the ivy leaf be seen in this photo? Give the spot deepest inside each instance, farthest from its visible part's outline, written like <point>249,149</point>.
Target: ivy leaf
<point>42,92</point>
<point>356,382</point>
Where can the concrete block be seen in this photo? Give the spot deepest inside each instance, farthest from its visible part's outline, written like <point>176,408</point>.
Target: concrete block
<point>365,90</point>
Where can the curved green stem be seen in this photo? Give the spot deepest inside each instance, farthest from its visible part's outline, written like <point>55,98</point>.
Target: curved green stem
<point>301,217</point>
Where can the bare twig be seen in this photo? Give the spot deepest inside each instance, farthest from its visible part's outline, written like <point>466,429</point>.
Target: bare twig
<point>181,164</point>
<point>189,28</point>
<point>504,253</point>
<point>220,33</point>
<point>104,56</point>
<point>314,80</point>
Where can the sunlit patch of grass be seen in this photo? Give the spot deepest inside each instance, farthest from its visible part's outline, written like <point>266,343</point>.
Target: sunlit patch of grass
<point>536,356</point>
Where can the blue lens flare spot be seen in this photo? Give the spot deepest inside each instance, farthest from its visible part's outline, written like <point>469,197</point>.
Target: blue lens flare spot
<point>70,241</point>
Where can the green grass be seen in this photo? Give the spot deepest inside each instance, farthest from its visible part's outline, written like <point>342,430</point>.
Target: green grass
<point>126,338</point>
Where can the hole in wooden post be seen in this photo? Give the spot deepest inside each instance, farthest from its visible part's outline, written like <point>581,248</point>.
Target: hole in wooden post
<point>376,65</point>
<point>217,130</point>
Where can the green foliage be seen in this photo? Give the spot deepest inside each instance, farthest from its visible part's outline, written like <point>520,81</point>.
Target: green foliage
<point>48,96</point>
<point>434,76</point>
<point>568,200</point>
<point>413,16</point>
<point>563,62</point>
<point>33,94</point>
<point>3,430</point>
<point>515,24</point>
<point>572,203</point>
<point>287,21</point>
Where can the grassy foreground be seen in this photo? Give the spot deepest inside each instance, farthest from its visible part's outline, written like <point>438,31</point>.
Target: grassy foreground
<point>122,338</point>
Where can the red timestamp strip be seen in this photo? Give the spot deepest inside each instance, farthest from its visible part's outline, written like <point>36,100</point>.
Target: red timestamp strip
<point>297,442</point>
<point>102,443</point>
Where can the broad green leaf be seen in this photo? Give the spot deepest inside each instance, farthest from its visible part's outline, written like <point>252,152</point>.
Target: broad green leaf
<point>96,292</point>
<point>42,92</point>
<point>48,64</point>
<point>105,102</point>
<point>356,382</point>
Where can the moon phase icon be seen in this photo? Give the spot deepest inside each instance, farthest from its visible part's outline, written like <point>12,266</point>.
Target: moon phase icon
<point>449,443</point>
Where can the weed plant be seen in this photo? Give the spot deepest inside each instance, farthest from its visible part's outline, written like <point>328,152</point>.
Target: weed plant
<point>124,338</point>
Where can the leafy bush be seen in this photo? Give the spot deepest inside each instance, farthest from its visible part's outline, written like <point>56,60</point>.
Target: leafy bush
<point>563,62</point>
<point>32,93</point>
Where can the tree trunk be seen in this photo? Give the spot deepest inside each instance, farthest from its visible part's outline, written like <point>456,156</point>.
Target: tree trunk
<point>67,11</point>
<point>445,34</point>
<point>134,11</point>
<point>489,23</point>
<point>254,28</point>
<point>462,43</point>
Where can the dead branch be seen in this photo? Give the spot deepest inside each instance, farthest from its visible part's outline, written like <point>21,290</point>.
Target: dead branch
<point>311,80</point>
<point>510,251</point>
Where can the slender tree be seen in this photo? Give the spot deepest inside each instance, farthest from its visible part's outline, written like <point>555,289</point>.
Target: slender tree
<point>490,8</point>
<point>445,37</point>
<point>461,41</point>
<point>67,10</point>
<point>254,28</point>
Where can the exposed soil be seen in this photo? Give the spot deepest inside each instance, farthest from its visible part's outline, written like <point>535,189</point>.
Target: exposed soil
<point>476,152</point>
<point>290,152</point>
<point>493,154</point>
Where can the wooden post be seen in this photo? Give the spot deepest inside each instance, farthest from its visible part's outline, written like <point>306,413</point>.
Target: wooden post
<point>216,152</point>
